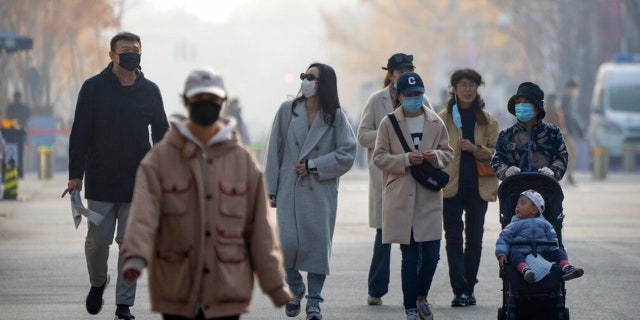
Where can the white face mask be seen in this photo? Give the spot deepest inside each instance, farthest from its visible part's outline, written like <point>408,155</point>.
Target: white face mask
<point>308,88</point>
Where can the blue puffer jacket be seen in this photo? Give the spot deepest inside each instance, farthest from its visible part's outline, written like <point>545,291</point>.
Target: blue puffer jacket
<point>531,229</point>
<point>543,146</point>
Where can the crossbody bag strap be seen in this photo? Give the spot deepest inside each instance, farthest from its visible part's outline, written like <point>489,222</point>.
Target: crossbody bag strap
<point>396,127</point>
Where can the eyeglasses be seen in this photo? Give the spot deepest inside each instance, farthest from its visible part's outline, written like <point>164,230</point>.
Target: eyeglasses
<point>308,76</point>
<point>467,85</point>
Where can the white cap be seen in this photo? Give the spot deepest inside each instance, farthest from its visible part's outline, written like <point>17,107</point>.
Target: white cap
<point>204,80</point>
<point>536,198</point>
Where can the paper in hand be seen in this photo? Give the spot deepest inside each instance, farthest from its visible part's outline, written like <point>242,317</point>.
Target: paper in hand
<point>78,210</point>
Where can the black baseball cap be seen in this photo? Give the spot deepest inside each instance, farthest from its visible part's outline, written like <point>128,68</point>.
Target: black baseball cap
<point>399,61</point>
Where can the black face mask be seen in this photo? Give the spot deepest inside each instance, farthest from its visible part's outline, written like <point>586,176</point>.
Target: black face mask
<point>129,61</point>
<point>204,113</point>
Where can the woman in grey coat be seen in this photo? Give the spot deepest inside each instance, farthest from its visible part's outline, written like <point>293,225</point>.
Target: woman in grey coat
<point>311,145</point>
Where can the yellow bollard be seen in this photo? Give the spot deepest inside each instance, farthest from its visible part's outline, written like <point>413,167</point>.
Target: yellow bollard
<point>629,158</point>
<point>45,171</point>
<point>600,163</point>
<point>10,181</point>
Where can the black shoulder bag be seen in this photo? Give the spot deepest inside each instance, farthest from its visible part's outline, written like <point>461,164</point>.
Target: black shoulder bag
<point>425,173</point>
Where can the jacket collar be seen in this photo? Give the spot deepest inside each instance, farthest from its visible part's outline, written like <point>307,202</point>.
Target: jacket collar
<point>108,72</point>
<point>308,136</point>
<point>181,138</point>
<point>521,126</point>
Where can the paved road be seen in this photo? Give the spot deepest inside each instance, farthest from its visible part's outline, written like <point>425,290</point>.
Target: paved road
<point>43,272</point>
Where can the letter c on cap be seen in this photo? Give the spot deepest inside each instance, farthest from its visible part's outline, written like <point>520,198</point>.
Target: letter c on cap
<point>411,80</point>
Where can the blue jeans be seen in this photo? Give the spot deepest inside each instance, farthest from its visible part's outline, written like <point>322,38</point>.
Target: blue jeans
<point>464,262</point>
<point>379,269</point>
<point>315,282</point>
<point>419,261</point>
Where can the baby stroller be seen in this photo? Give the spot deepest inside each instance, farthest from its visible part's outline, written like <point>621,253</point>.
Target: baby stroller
<point>544,299</point>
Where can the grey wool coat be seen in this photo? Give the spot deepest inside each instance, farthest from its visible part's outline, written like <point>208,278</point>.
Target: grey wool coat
<point>306,205</point>
<point>406,204</point>
<point>378,106</point>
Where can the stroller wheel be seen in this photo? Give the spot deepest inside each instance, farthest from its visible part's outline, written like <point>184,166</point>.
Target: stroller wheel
<point>500,314</point>
<point>565,314</point>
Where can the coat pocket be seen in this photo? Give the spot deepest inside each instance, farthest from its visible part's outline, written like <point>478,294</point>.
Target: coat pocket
<point>233,199</point>
<point>172,278</point>
<point>234,273</point>
<point>175,196</point>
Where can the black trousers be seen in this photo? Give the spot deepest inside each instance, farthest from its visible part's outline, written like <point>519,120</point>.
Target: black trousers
<point>464,262</point>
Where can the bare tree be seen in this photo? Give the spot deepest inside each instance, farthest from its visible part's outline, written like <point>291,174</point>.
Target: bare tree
<point>548,41</point>
<point>69,44</point>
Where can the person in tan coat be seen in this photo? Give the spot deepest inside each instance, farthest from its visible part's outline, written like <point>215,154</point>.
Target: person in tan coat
<point>472,184</point>
<point>411,213</point>
<point>380,103</point>
<point>199,218</point>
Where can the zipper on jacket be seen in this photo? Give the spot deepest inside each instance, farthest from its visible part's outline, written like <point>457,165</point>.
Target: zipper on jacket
<point>529,150</point>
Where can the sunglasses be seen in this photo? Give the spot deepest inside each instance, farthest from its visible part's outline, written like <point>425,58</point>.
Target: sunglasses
<point>308,76</point>
<point>403,57</point>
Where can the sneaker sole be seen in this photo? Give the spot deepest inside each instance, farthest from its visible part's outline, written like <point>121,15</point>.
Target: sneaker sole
<point>292,314</point>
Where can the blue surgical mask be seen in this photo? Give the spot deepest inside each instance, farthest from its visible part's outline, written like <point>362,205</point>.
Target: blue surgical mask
<point>457,119</point>
<point>525,111</point>
<point>412,104</point>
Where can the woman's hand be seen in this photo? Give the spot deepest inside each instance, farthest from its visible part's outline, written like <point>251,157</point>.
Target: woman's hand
<point>466,145</point>
<point>301,168</point>
<point>416,158</point>
<point>430,156</point>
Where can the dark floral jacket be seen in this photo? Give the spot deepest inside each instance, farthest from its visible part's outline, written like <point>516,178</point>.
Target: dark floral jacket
<point>541,147</point>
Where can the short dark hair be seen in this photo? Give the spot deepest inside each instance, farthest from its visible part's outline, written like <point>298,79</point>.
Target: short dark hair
<point>128,36</point>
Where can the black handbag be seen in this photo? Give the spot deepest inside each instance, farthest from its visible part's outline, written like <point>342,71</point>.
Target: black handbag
<point>425,173</point>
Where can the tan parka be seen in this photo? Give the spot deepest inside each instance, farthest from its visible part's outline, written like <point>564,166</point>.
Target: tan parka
<point>199,221</point>
<point>406,204</point>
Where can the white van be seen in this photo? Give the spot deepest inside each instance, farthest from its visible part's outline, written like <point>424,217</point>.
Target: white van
<point>615,107</point>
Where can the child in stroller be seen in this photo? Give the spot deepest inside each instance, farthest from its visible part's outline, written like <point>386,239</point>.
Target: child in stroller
<point>528,224</point>
<point>543,299</point>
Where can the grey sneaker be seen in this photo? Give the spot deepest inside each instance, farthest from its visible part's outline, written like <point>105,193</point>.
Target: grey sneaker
<point>293,307</point>
<point>94,300</point>
<point>424,309</point>
<point>373,301</point>
<point>313,313</point>
<point>412,314</point>
<point>529,276</point>
<point>472,299</point>
<point>570,272</point>
<point>460,300</point>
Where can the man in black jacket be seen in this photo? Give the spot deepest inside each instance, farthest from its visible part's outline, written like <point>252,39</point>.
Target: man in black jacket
<point>109,137</point>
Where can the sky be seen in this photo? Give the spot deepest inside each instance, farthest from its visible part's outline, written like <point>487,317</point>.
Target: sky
<point>259,47</point>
